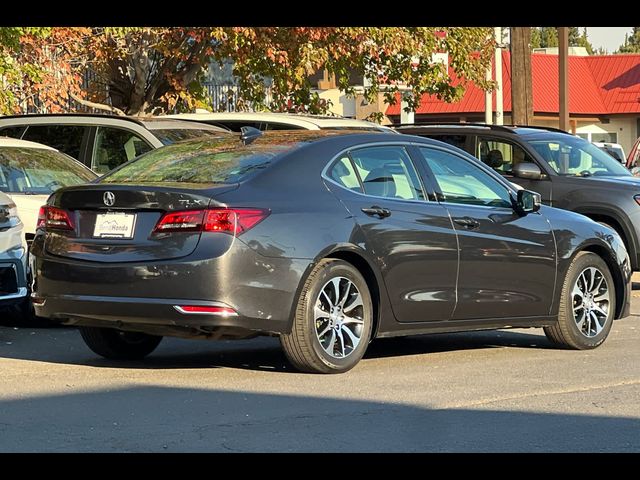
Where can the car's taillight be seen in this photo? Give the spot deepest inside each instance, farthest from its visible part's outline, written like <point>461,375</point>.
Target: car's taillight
<point>54,218</point>
<point>234,221</point>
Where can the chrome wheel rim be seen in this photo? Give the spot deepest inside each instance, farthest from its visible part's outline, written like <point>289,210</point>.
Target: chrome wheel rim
<point>339,317</point>
<point>591,302</point>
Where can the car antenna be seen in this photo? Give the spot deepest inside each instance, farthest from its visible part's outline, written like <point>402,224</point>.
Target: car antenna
<point>249,134</point>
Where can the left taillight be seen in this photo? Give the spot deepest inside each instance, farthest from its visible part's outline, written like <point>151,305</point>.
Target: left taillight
<point>53,218</point>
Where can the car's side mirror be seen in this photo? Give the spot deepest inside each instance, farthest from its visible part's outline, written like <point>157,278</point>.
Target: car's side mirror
<point>527,170</point>
<point>528,202</point>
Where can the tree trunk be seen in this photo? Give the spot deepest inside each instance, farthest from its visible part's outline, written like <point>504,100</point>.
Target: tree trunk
<point>521,84</point>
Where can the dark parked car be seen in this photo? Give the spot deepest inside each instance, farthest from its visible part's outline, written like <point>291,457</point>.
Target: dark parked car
<point>103,142</point>
<point>325,239</point>
<point>568,171</point>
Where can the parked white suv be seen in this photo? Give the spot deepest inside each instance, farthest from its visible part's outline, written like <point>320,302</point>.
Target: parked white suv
<point>280,121</point>
<point>613,149</point>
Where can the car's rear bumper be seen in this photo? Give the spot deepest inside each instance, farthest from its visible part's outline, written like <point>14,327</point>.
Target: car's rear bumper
<point>260,289</point>
<point>146,314</point>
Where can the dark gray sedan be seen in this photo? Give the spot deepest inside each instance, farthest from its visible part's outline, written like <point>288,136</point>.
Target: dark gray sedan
<point>326,239</point>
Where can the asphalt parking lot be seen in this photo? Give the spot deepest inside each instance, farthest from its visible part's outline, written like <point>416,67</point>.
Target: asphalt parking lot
<point>504,391</point>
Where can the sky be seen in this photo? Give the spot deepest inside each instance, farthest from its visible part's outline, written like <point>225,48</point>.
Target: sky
<point>608,37</point>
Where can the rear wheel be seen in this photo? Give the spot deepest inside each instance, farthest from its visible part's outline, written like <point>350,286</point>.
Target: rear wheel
<point>333,320</point>
<point>587,304</point>
<point>118,345</point>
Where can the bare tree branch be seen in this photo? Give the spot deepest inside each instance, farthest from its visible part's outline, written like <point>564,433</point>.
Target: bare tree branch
<point>99,106</point>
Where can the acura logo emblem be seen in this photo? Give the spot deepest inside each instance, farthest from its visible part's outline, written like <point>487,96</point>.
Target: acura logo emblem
<point>109,199</point>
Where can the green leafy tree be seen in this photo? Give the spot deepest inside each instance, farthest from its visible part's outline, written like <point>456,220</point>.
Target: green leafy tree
<point>136,70</point>
<point>393,59</point>
<point>547,37</point>
<point>631,42</point>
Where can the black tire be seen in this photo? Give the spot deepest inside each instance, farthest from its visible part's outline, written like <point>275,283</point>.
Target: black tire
<point>566,332</point>
<point>27,316</point>
<point>302,346</point>
<point>118,345</point>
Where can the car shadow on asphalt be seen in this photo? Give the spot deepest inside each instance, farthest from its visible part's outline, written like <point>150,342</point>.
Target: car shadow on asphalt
<point>175,419</point>
<point>65,346</point>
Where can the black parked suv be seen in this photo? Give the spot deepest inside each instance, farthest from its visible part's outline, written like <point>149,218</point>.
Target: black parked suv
<point>568,172</point>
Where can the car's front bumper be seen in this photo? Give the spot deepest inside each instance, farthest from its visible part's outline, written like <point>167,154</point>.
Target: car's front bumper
<point>13,276</point>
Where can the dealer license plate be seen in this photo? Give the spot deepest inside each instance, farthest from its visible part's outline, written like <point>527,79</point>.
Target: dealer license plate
<point>114,225</point>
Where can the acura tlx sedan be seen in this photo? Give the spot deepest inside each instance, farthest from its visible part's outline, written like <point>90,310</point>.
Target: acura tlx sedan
<point>326,239</point>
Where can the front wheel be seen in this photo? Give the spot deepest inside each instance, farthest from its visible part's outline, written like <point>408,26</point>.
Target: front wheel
<point>118,345</point>
<point>333,320</point>
<point>587,304</point>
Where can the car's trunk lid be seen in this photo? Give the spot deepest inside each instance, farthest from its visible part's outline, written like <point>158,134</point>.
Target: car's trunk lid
<point>141,206</point>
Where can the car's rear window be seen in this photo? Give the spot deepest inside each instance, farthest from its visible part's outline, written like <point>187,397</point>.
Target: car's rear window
<point>203,162</point>
<point>39,171</point>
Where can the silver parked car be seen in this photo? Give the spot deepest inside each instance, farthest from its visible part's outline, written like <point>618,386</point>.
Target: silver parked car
<point>13,255</point>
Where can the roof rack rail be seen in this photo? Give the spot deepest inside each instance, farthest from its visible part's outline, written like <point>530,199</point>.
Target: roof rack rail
<point>453,124</point>
<point>502,128</point>
<point>75,114</point>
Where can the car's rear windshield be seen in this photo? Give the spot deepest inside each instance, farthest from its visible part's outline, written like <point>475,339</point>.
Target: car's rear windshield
<point>39,171</point>
<point>203,162</point>
<point>172,135</point>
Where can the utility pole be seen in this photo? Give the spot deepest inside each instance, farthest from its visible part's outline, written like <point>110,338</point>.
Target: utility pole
<point>521,83</point>
<point>498,60</point>
<point>563,76</point>
<point>488,104</point>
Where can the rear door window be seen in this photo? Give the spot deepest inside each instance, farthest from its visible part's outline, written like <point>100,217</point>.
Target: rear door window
<point>115,146</point>
<point>387,171</point>
<point>66,138</point>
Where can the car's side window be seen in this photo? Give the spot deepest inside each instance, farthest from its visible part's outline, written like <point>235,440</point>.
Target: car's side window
<point>115,146</point>
<point>66,138</point>
<point>387,171</point>
<point>343,173</point>
<point>500,155</point>
<point>13,132</point>
<point>461,181</point>
<point>456,140</point>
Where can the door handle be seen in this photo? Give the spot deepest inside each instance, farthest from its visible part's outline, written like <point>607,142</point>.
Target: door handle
<point>375,210</point>
<point>467,222</point>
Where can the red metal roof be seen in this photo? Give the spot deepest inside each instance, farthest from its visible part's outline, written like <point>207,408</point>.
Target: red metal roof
<point>598,84</point>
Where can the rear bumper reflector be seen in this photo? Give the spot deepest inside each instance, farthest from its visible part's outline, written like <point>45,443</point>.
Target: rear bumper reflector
<point>221,310</point>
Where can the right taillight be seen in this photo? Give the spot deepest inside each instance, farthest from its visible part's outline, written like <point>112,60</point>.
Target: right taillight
<point>234,221</point>
<point>54,218</point>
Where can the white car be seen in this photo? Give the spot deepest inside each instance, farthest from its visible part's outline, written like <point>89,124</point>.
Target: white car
<point>613,149</point>
<point>280,121</point>
<point>13,255</point>
<point>30,172</point>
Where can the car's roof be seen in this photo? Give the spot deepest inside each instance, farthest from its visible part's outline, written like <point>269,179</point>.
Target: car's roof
<point>13,142</point>
<point>310,122</point>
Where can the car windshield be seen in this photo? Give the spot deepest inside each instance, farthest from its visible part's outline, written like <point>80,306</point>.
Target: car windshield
<point>573,156</point>
<point>206,162</point>
<point>172,135</point>
<point>39,171</point>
